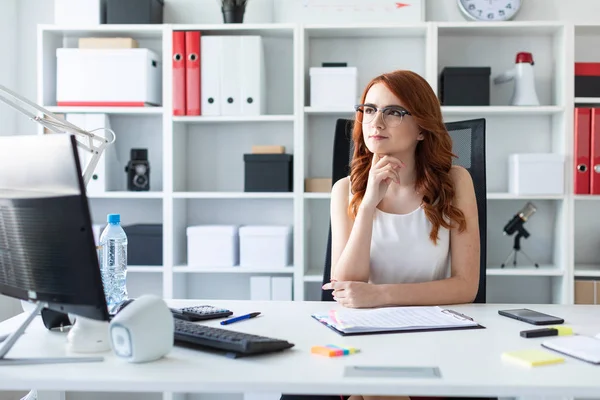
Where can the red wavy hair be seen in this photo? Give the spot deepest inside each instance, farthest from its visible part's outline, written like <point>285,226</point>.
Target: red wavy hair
<point>433,156</point>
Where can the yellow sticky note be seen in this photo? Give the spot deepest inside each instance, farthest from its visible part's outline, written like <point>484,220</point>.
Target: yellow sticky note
<point>532,357</point>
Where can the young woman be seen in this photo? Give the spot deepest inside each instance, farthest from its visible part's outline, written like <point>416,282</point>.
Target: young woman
<point>405,229</point>
<point>404,224</point>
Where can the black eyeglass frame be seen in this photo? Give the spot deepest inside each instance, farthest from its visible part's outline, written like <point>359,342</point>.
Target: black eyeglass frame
<point>403,111</point>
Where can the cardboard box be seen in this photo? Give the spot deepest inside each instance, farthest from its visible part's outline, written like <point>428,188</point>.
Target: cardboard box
<point>586,292</point>
<point>536,173</point>
<point>108,77</point>
<point>212,245</point>
<point>259,149</point>
<point>108,43</point>
<point>317,185</point>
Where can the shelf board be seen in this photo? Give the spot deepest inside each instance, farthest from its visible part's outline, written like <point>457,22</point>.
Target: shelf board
<point>328,111</point>
<point>233,118</point>
<point>490,196</point>
<point>145,31</point>
<point>366,30</point>
<point>512,196</point>
<point>232,270</point>
<point>233,195</point>
<point>501,110</point>
<point>500,28</point>
<point>524,270</point>
<point>587,197</point>
<point>145,268</point>
<point>315,195</point>
<point>587,270</point>
<point>270,29</point>
<point>126,195</point>
<point>587,100</point>
<point>107,110</point>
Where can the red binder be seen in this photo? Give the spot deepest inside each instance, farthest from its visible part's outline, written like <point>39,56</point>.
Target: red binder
<point>595,152</point>
<point>179,73</point>
<point>583,122</point>
<point>192,66</point>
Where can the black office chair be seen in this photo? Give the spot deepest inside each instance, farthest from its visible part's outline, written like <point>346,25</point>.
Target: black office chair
<point>468,144</point>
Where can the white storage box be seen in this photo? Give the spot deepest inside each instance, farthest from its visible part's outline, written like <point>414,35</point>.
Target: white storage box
<point>265,246</point>
<point>536,173</point>
<point>212,246</point>
<point>333,87</point>
<point>108,77</point>
<point>79,12</point>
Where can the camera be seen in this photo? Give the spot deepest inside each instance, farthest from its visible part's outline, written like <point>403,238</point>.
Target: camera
<point>138,171</point>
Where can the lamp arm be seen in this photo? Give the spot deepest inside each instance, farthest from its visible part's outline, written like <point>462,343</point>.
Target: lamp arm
<point>93,143</point>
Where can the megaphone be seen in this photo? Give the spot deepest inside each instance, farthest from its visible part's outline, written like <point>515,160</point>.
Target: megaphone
<point>524,93</point>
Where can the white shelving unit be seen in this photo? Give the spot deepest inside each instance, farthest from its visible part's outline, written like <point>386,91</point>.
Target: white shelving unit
<point>198,170</point>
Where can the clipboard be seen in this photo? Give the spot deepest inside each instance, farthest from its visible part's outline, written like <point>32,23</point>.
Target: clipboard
<point>333,327</point>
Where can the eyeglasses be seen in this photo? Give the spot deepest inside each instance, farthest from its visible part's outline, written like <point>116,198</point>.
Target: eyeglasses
<point>392,115</point>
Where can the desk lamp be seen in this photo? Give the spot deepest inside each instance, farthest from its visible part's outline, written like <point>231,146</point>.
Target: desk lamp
<point>91,143</point>
<point>83,330</point>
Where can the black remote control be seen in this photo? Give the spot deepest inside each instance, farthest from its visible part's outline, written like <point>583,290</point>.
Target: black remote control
<point>200,313</point>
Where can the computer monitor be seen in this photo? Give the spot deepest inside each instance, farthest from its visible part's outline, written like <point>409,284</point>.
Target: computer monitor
<point>47,249</point>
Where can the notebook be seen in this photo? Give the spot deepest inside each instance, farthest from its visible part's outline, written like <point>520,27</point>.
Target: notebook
<point>585,348</point>
<point>394,319</point>
<point>532,357</point>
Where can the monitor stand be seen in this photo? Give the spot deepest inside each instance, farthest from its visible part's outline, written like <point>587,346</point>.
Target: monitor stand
<point>88,336</point>
<point>13,337</point>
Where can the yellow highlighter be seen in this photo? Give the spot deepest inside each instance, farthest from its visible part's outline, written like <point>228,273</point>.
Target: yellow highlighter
<point>532,357</point>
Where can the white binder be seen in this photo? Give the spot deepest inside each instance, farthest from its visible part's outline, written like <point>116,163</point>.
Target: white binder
<point>230,75</point>
<point>210,72</point>
<point>252,76</point>
<point>79,120</point>
<point>99,182</point>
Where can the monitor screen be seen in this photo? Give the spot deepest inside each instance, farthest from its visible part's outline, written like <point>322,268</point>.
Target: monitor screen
<point>47,248</point>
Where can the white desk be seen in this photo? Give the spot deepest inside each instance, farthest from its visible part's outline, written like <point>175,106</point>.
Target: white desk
<point>469,360</point>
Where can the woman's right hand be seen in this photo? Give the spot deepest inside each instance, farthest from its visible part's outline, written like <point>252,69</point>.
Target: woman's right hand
<point>384,171</point>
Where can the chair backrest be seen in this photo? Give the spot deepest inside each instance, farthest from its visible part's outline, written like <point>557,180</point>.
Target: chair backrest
<point>468,144</point>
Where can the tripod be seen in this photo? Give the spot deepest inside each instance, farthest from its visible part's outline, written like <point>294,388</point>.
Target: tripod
<point>521,233</point>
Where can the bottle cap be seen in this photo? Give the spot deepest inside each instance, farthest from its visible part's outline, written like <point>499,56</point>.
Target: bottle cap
<point>524,57</point>
<point>113,218</point>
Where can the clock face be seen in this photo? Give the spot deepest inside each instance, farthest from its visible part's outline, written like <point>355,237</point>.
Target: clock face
<point>489,10</point>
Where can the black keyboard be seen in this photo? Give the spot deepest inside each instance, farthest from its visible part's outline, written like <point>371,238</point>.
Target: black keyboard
<point>234,344</point>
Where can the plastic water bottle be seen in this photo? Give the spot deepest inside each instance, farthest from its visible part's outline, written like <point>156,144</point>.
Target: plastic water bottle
<point>113,262</point>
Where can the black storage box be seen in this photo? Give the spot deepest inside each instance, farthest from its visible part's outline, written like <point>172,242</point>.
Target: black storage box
<point>144,244</point>
<point>268,173</point>
<point>134,11</point>
<point>465,86</point>
<point>587,79</point>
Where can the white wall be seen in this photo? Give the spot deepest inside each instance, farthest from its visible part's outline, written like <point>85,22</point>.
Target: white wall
<point>578,11</point>
<point>29,14</point>
<point>8,66</point>
<point>8,78</point>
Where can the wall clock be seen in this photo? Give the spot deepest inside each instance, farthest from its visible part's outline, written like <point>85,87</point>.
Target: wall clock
<point>489,10</point>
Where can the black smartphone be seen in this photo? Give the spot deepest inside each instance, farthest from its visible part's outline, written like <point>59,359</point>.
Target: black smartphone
<point>531,316</point>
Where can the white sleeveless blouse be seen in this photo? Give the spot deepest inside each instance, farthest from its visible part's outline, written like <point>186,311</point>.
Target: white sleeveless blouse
<point>401,251</point>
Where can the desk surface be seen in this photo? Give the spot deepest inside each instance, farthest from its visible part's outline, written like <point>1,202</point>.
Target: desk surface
<point>469,360</point>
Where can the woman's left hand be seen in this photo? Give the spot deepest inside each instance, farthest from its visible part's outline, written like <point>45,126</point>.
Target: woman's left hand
<point>355,294</point>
